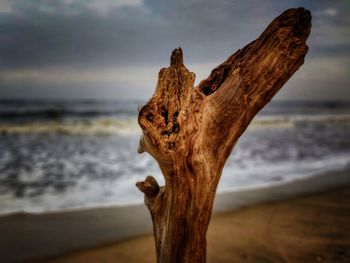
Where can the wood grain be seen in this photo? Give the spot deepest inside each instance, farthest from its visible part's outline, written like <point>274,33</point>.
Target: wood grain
<point>191,131</point>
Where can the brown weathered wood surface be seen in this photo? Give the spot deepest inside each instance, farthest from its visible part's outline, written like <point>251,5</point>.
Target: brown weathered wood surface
<point>191,131</point>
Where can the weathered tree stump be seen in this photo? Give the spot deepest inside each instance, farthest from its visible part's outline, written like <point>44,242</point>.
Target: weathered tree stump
<point>191,131</point>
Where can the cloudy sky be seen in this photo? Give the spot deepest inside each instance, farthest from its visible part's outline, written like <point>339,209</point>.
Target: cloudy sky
<point>115,48</point>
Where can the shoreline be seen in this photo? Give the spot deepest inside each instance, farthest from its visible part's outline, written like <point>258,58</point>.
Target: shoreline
<point>61,232</point>
<point>323,182</point>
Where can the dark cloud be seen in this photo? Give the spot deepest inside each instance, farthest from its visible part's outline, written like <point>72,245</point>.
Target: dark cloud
<point>107,33</point>
<point>46,33</point>
<point>35,37</point>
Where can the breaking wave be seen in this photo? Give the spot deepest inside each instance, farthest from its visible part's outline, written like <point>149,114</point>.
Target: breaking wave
<point>129,125</point>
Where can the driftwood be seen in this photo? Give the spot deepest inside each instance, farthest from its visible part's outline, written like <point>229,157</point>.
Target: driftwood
<point>191,131</point>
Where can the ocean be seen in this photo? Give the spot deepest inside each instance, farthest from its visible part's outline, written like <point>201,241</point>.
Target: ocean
<point>58,155</point>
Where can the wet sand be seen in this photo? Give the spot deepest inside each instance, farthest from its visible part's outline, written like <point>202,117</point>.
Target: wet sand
<point>275,229</point>
<point>313,228</point>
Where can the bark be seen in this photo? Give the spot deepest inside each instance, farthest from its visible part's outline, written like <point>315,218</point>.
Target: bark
<point>191,131</point>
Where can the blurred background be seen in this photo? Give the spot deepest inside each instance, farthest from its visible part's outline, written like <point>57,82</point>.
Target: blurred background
<point>73,73</point>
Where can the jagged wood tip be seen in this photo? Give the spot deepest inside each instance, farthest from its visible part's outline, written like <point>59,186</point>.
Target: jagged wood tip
<point>176,58</point>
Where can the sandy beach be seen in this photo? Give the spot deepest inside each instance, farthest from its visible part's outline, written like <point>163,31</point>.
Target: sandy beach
<point>305,220</point>
<point>312,228</point>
